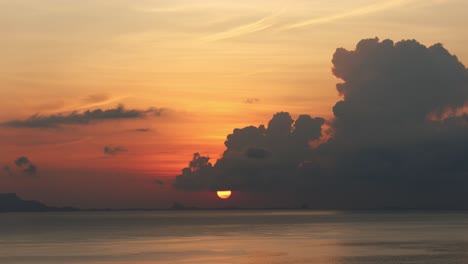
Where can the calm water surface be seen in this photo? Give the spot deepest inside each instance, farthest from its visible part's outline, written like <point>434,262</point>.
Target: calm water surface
<point>234,237</point>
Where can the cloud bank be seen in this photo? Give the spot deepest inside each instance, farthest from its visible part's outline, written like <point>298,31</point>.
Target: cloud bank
<point>399,137</point>
<point>82,118</point>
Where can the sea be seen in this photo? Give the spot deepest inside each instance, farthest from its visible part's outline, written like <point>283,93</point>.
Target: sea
<point>235,236</point>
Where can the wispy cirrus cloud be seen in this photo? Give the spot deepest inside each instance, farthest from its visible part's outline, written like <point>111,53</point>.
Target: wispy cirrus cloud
<point>259,25</point>
<point>82,118</point>
<point>351,13</point>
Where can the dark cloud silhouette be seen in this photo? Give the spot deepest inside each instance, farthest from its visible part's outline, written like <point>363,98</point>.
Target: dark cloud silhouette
<point>31,169</point>
<point>399,137</point>
<point>26,166</point>
<point>386,146</point>
<point>252,100</point>
<point>82,118</point>
<point>199,175</point>
<point>22,161</point>
<point>108,150</point>
<point>256,158</point>
<point>391,86</point>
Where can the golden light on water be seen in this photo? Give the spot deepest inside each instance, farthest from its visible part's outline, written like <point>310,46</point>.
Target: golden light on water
<point>224,194</point>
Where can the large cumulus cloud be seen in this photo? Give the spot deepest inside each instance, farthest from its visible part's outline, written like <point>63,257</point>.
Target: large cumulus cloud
<point>388,87</point>
<point>400,137</point>
<point>397,137</point>
<point>256,158</point>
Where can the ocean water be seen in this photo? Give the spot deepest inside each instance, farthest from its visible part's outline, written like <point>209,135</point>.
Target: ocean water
<point>247,237</point>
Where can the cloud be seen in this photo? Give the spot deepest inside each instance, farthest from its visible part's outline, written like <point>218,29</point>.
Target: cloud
<point>390,89</point>
<point>31,169</point>
<point>399,137</point>
<point>257,158</point>
<point>82,118</point>
<point>22,161</point>
<point>108,150</point>
<point>352,13</point>
<point>26,166</point>
<point>199,175</point>
<point>259,25</point>
<point>252,100</point>
<point>257,153</point>
<point>384,143</point>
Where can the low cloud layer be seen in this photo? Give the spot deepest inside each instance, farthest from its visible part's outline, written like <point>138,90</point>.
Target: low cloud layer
<point>82,118</point>
<point>399,137</point>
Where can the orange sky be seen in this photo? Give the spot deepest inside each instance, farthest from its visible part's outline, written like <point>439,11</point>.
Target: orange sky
<point>213,65</point>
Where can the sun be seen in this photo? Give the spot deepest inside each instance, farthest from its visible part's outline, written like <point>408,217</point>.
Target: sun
<point>225,194</point>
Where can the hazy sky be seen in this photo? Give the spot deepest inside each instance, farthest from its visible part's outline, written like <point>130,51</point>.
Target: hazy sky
<point>194,70</point>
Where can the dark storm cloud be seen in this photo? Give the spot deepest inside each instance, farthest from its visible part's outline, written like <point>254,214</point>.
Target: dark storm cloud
<point>82,118</point>
<point>252,100</point>
<point>398,137</point>
<point>108,150</point>
<point>26,166</point>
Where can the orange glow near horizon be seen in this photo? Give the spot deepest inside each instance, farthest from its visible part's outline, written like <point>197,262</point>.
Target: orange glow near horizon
<point>204,67</point>
<point>224,194</point>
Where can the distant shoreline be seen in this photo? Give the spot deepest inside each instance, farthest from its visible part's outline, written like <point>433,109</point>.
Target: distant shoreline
<point>11,203</point>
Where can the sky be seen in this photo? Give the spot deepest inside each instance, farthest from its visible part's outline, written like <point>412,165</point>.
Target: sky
<point>103,103</point>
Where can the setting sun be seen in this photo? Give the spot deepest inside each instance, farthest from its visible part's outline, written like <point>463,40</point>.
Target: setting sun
<point>224,194</point>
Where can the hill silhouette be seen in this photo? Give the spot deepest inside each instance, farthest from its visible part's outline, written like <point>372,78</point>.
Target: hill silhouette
<point>10,202</point>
